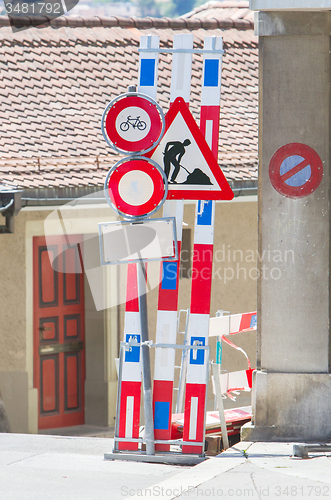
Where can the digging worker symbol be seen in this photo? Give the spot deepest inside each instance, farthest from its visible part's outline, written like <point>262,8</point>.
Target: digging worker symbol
<point>173,154</point>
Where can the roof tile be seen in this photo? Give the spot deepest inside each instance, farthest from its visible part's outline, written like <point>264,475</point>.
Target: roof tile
<point>56,83</point>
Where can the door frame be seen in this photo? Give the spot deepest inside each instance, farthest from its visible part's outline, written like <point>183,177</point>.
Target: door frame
<point>60,417</point>
<point>34,226</point>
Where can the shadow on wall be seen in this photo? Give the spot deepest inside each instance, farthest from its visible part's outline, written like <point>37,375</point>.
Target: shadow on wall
<point>4,422</point>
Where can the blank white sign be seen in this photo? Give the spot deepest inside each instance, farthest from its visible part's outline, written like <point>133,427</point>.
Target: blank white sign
<point>151,239</point>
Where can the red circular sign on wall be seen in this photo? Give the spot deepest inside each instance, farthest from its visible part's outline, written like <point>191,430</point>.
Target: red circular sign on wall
<point>133,123</point>
<point>136,187</point>
<point>295,170</point>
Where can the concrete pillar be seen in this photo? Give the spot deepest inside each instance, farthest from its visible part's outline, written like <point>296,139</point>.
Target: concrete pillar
<point>292,386</point>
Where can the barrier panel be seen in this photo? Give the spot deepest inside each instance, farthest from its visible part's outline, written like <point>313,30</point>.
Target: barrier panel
<point>123,442</point>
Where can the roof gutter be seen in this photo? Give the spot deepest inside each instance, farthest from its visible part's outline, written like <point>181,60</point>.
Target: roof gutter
<point>179,23</point>
<point>95,195</point>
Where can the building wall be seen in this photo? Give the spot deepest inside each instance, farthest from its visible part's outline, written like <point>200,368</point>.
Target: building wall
<point>16,323</point>
<point>236,229</point>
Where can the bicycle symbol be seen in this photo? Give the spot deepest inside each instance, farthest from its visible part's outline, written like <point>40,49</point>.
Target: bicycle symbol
<point>134,122</point>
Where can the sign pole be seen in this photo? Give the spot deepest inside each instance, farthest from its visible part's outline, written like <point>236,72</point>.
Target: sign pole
<point>148,69</point>
<point>146,366</point>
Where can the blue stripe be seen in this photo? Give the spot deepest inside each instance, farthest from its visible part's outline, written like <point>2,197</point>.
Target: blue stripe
<point>161,415</point>
<point>197,357</point>
<point>133,354</point>
<point>253,321</point>
<point>147,72</point>
<point>205,215</point>
<point>169,275</point>
<point>211,73</point>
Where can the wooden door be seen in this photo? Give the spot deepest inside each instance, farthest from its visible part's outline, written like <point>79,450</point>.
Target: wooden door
<point>59,343</point>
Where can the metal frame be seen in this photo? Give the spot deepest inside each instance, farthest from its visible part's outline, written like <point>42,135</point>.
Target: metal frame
<point>133,261</point>
<point>158,50</point>
<point>154,165</point>
<point>183,365</point>
<point>123,346</point>
<point>114,101</point>
<point>182,51</point>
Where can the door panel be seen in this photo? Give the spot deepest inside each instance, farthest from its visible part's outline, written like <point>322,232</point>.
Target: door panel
<point>59,340</point>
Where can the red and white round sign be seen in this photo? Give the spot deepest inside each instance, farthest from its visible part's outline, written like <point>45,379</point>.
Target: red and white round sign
<point>136,187</point>
<point>295,170</point>
<point>133,123</point>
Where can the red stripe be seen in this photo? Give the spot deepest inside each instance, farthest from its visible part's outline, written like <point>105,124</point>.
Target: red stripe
<point>249,374</point>
<point>199,391</point>
<point>132,303</point>
<point>163,390</point>
<point>129,389</point>
<point>201,279</point>
<point>211,113</point>
<point>246,321</point>
<point>168,299</point>
<point>295,170</point>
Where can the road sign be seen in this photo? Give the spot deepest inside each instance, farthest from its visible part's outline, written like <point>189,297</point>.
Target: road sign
<point>295,170</point>
<point>132,123</point>
<point>136,187</point>
<point>124,242</point>
<point>189,165</point>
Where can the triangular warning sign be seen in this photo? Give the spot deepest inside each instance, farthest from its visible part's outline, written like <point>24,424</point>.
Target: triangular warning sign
<point>189,164</point>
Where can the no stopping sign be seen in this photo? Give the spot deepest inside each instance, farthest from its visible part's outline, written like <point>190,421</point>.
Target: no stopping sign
<point>295,170</point>
<point>136,187</point>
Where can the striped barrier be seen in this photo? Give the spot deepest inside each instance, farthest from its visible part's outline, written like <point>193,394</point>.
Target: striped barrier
<point>232,324</point>
<point>166,327</point>
<point>222,326</point>
<point>130,399</point>
<point>196,383</point>
<point>131,372</point>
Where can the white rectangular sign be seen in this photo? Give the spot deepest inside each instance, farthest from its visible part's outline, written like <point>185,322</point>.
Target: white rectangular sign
<point>149,239</point>
<point>290,4</point>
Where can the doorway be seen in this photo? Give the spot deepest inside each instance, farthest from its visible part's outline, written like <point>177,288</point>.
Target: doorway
<point>59,337</point>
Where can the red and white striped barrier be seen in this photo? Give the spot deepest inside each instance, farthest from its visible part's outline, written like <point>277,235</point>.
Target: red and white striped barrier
<point>131,370</point>
<point>195,397</point>
<point>232,324</point>
<point>235,418</point>
<point>166,328</point>
<point>234,382</point>
<point>131,374</point>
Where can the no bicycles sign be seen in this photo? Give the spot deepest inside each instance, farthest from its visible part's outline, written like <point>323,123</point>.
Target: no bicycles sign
<point>133,123</point>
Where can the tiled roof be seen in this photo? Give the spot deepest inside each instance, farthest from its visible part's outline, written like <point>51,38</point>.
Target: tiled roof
<point>55,83</point>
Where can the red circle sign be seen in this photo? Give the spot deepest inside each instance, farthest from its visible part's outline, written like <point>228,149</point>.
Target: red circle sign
<point>295,170</point>
<point>133,123</point>
<point>136,187</point>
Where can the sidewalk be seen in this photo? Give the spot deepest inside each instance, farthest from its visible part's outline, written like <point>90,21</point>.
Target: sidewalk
<point>80,430</point>
<point>39,467</point>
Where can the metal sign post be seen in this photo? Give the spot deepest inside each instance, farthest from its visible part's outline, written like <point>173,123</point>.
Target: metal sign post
<point>135,187</point>
<point>147,383</point>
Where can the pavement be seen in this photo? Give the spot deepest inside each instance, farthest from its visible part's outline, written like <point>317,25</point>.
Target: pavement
<point>80,430</point>
<point>42,467</point>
